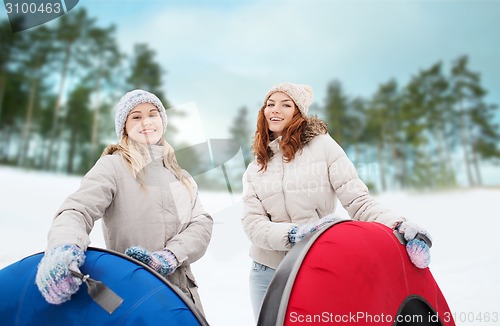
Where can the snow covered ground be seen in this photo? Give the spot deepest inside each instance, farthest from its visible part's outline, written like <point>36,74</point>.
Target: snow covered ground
<point>464,224</point>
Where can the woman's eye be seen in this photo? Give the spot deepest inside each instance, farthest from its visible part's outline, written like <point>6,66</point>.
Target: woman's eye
<point>136,117</point>
<point>270,105</point>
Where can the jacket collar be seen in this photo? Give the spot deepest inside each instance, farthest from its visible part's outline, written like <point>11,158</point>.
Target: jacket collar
<point>274,145</point>
<point>315,127</point>
<point>156,151</point>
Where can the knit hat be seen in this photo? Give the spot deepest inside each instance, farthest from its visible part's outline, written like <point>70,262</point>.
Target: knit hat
<point>302,95</point>
<point>130,101</point>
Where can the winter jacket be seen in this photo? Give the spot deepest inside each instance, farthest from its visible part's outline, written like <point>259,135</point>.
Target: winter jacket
<point>302,191</point>
<point>159,214</point>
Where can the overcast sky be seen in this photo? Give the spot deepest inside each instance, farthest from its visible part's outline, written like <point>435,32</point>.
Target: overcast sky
<point>222,55</point>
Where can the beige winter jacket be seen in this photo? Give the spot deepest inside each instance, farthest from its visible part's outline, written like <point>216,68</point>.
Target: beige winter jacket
<point>161,214</point>
<point>301,191</point>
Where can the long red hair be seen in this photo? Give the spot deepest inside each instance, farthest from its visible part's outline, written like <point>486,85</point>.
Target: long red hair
<point>291,141</point>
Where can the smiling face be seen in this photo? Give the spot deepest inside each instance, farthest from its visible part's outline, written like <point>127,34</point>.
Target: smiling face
<point>144,124</point>
<point>279,111</point>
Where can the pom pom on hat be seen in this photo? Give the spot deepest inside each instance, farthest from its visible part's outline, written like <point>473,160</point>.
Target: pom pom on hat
<point>302,95</point>
<point>130,101</point>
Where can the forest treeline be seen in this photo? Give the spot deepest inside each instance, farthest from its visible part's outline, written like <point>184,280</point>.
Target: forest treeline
<point>59,83</point>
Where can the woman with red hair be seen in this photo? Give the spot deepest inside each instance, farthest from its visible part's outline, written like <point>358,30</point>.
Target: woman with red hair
<point>291,188</point>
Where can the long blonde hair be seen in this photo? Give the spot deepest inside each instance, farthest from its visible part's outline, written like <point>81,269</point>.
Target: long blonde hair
<point>138,156</point>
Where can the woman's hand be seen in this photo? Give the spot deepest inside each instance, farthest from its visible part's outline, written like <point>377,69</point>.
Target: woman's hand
<point>418,245</point>
<point>299,232</point>
<point>163,261</point>
<point>54,278</point>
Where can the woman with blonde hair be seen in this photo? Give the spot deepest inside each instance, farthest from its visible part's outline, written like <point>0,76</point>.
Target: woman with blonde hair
<point>291,189</point>
<point>148,204</point>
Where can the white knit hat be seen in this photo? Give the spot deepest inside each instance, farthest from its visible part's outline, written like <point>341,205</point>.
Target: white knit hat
<point>302,95</point>
<point>130,101</point>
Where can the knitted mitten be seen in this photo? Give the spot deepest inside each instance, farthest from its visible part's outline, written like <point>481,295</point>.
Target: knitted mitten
<point>418,245</point>
<point>411,230</point>
<point>299,232</point>
<point>53,277</point>
<point>163,261</point>
<point>419,253</point>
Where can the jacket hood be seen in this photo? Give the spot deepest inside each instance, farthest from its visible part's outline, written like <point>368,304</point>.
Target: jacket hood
<point>315,127</point>
<point>110,149</point>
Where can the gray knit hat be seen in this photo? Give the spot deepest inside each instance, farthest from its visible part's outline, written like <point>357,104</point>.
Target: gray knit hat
<point>130,101</point>
<point>302,95</point>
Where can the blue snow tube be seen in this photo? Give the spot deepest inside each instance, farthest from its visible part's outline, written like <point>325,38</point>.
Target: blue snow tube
<point>148,298</point>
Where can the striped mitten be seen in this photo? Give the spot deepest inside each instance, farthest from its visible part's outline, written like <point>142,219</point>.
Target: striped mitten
<point>163,261</point>
<point>419,253</point>
<point>299,232</point>
<point>418,244</point>
<point>53,277</point>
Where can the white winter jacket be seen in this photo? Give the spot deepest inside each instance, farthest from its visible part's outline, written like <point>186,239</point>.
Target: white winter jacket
<point>301,191</point>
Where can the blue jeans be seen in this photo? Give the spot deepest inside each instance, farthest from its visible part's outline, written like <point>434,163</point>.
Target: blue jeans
<point>260,277</point>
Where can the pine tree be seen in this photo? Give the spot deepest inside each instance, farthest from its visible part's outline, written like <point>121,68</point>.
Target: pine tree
<point>242,134</point>
<point>336,109</point>
<point>104,61</point>
<point>145,71</point>
<point>78,122</point>
<point>38,50</point>
<point>71,34</point>
<point>427,103</point>
<point>9,48</point>
<point>474,117</point>
<point>373,137</point>
<point>387,104</point>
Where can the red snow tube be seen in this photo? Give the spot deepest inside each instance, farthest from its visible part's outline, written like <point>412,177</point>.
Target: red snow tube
<point>353,273</point>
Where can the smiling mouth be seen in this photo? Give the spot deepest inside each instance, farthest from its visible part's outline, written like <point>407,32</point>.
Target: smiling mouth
<point>276,119</point>
<point>148,131</point>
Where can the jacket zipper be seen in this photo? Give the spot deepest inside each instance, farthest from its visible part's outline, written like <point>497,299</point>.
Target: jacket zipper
<point>283,187</point>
